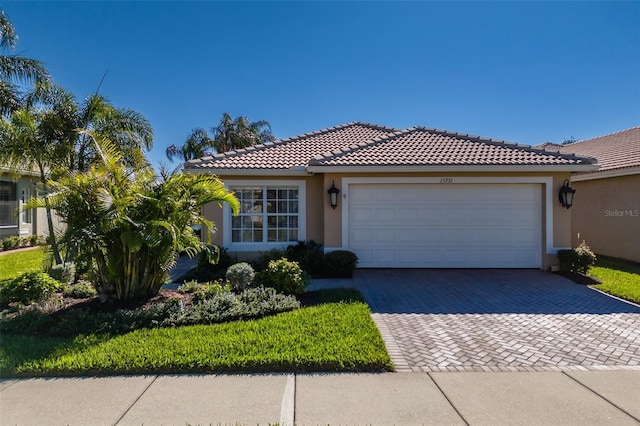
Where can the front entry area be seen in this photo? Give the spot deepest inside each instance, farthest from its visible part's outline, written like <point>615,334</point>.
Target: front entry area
<point>445,225</point>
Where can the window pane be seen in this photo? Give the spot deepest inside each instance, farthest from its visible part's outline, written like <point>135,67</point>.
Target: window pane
<point>293,235</point>
<point>247,236</point>
<point>293,207</point>
<point>282,235</point>
<point>257,235</point>
<point>235,222</point>
<point>272,235</point>
<point>235,236</point>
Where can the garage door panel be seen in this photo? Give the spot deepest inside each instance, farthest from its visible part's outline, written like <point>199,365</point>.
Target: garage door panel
<point>470,225</point>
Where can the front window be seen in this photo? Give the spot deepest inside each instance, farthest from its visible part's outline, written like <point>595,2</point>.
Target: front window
<point>270,215</point>
<point>8,203</point>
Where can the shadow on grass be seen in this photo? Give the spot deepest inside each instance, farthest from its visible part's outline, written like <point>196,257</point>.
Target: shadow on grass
<point>334,295</point>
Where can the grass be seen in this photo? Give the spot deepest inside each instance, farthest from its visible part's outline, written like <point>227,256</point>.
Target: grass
<point>619,277</point>
<point>336,334</point>
<point>14,264</point>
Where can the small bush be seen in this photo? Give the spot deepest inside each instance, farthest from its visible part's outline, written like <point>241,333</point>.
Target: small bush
<point>34,240</point>
<point>11,242</point>
<point>209,290</point>
<point>28,288</point>
<point>265,257</point>
<point>309,255</point>
<point>240,276</point>
<point>81,290</point>
<point>577,260</point>
<point>339,264</point>
<point>284,276</point>
<point>189,287</point>
<point>65,272</point>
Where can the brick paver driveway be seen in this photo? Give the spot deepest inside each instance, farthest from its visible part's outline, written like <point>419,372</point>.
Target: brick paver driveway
<point>496,320</point>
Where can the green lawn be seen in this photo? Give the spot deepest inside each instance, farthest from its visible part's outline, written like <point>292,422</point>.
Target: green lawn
<point>13,264</point>
<point>619,277</point>
<point>326,337</point>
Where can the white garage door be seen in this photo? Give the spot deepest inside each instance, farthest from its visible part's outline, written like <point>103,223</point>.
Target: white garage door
<point>446,225</point>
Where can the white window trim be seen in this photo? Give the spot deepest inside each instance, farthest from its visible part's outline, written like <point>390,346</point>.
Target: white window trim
<point>546,181</point>
<point>254,247</point>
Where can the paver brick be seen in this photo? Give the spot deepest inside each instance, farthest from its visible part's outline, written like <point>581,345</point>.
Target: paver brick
<point>498,320</point>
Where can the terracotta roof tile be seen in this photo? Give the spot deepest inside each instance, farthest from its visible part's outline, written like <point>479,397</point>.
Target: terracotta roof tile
<point>420,146</point>
<point>613,151</point>
<point>364,144</point>
<point>295,151</point>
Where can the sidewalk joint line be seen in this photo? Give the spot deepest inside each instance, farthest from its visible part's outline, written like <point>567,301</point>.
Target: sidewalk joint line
<point>136,400</point>
<point>448,400</point>
<point>13,382</point>
<point>288,405</point>
<point>606,399</point>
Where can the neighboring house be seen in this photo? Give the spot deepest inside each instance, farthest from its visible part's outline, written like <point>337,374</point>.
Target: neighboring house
<point>606,210</point>
<point>16,188</point>
<point>408,198</point>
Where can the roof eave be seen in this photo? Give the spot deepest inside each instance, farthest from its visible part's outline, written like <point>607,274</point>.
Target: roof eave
<point>456,168</point>
<point>604,174</point>
<point>293,171</point>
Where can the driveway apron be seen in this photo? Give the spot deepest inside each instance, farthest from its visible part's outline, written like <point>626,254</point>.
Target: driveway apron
<point>496,320</point>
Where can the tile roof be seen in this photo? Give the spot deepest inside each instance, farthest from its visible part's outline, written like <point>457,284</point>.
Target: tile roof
<point>419,146</point>
<point>364,144</point>
<point>613,151</point>
<point>295,151</point>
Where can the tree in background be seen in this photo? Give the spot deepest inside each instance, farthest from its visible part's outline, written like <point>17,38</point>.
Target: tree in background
<point>131,225</point>
<point>228,135</point>
<point>28,141</point>
<point>14,69</point>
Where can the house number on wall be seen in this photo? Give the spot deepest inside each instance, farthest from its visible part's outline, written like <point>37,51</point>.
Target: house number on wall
<point>446,180</point>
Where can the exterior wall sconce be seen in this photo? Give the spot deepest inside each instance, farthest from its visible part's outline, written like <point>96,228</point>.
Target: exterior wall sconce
<point>566,194</point>
<point>333,195</point>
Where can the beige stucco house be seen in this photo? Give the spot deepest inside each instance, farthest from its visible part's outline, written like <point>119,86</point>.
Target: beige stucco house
<point>408,198</point>
<point>606,210</point>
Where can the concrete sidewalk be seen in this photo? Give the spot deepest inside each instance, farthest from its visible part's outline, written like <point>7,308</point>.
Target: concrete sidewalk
<point>558,398</point>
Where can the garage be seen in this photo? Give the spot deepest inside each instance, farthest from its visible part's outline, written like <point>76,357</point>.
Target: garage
<point>445,225</point>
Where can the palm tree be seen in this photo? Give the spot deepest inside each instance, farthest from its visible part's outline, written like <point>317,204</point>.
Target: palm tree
<point>197,145</point>
<point>131,225</point>
<point>228,135</point>
<point>29,140</point>
<point>129,130</point>
<point>14,68</point>
<point>232,134</point>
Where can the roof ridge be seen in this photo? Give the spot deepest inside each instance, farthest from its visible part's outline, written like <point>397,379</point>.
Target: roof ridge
<point>316,159</point>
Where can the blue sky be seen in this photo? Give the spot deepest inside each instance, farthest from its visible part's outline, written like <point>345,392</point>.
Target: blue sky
<point>525,72</point>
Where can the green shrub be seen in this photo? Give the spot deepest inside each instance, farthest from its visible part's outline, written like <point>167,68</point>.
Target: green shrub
<point>65,272</point>
<point>11,242</point>
<point>265,257</point>
<point>209,290</point>
<point>34,240</point>
<point>577,260</point>
<point>81,290</point>
<point>226,306</point>
<point>284,276</point>
<point>308,255</point>
<point>240,276</point>
<point>339,264</point>
<point>28,288</point>
<point>189,287</point>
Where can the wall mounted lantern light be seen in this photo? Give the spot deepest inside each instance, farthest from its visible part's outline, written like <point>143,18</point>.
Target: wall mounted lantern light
<point>566,194</point>
<point>333,195</point>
